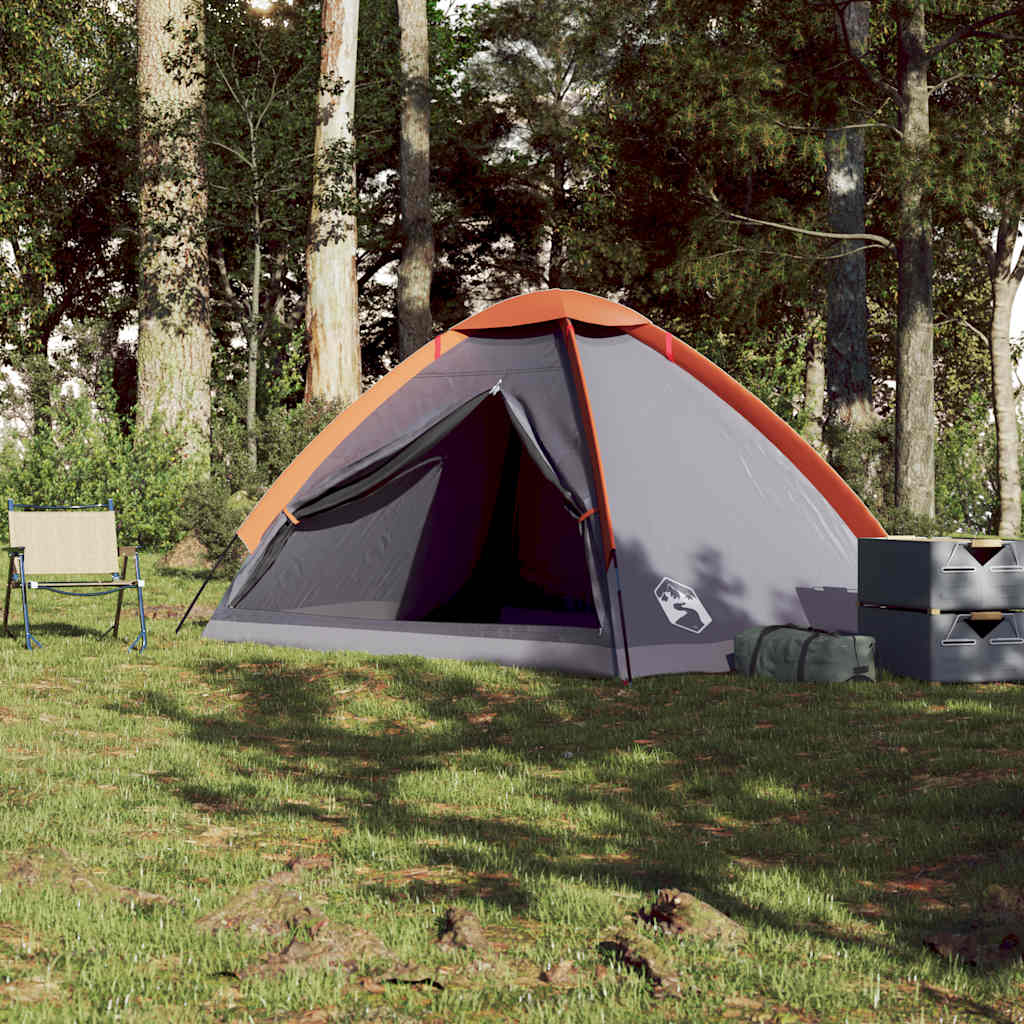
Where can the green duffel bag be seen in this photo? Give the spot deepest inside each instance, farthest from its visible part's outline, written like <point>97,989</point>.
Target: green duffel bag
<point>799,654</point>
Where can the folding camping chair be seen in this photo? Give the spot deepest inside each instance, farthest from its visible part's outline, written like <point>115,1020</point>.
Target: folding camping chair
<point>69,540</point>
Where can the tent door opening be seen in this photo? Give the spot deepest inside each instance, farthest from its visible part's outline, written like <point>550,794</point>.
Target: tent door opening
<point>465,528</point>
<point>531,568</point>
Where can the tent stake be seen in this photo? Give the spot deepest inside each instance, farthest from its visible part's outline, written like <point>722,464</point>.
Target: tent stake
<point>209,576</point>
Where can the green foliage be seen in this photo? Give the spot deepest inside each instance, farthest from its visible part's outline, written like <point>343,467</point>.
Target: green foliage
<point>67,162</point>
<point>966,479</point>
<point>263,69</point>
<point>770,365</point>
<point>86,457</point>
<point>966,492</point>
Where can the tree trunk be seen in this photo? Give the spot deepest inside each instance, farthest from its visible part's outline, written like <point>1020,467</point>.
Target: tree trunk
<point>332,303</point>
<point>174,348</point>
<point>848,364</point>
<point>556,249</point>
<point>1005,282</point>
<point>814,393</point>
<point>415,271</point>
<point>252,377</point>
<point>915,378</point>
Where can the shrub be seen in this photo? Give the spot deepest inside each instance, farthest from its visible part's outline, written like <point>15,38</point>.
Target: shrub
<point>83,458</point>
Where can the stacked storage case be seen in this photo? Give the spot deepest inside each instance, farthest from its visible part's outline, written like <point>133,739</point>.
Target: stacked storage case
<point>944,609</point>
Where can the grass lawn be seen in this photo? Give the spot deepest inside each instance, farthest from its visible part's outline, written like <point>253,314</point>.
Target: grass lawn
<point>233,832</point>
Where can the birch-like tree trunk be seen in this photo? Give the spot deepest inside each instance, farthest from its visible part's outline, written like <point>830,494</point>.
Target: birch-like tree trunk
<point>416,269</point>
<point>1005,275</point>
<point>332,303</point>
<point>814,392</point>
<point>174,348</point>
<point>915,372</point>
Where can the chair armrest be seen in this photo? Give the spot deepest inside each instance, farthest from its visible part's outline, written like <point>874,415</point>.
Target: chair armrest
<point>15,551</point>
<point>127,551</point>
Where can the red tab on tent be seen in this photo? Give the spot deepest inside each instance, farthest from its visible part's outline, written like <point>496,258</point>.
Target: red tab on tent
<point>586,515</point>
<point>437,347</point>
<point>668,347</point>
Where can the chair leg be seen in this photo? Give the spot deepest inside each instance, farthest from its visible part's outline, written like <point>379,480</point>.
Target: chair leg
<point>7,596</point>
<point>117,612</point>
<point>142,612</point>
<point>29,638</point>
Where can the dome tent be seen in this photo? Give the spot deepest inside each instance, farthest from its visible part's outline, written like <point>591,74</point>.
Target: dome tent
<point>555,482</point>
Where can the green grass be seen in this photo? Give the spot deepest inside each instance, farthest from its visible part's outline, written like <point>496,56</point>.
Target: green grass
<point>839,824</point>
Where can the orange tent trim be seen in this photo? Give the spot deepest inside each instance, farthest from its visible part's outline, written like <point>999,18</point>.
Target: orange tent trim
<point>556,304</point>
<point>586,413</point>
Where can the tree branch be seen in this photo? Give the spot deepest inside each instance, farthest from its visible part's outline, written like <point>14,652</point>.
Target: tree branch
<point>382,260</point>
<point>740,250</point>
<point>959,321</point>
<point>234,152</point>
<point>1017,274</point>
<point>819,130</point>
<point>971,30</point>
<point>865,69</point>
<point>878,241</point>
<point>984,242</point>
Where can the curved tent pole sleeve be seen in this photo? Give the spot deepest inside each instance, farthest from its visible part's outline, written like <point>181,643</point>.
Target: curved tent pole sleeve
<point>600,491</point>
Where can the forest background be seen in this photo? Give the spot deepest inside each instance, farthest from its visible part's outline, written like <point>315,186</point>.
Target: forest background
<point>825,198</point>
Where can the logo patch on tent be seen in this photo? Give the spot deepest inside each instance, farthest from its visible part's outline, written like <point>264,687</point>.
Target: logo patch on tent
<point>682,606</point>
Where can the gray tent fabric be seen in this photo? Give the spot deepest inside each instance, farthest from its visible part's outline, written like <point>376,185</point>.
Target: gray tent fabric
<point>599,513</point>
<point>722,540</point>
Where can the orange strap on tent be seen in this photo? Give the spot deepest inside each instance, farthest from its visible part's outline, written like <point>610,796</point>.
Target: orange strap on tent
<point>292,518</point>
<point>586,515</point>
<point>668,347</point>
<point>437,347</point>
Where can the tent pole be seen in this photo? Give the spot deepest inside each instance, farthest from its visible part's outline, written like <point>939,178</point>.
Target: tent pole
<point>622,618</point>
<point>209,576</point>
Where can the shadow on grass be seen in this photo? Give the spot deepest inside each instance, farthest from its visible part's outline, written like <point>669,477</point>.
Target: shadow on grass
<point>806,809</point>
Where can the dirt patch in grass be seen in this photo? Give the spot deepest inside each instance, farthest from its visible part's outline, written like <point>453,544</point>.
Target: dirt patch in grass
<point>17,937</point>
<point>52,868</point>
<point>683,916</point>
<point>326,946</point>
<point>170,611</point>
<point>961,780</point>
<point>461,930</point>
<point>628,946</point>
<point>37,989</point>
<point>994,935</point>
<point>275,906</point>
<point>446,881</point>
